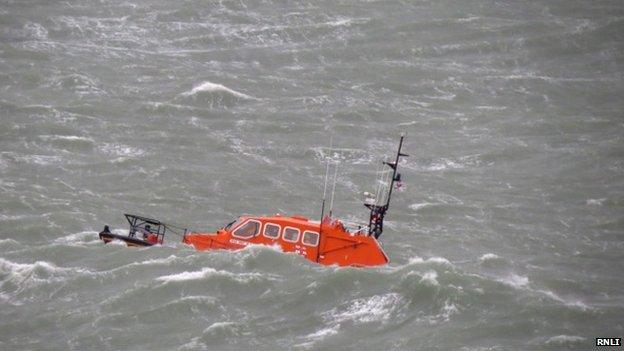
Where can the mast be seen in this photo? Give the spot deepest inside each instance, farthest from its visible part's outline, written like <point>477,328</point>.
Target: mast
<point>378,211</point>
<point>318,250</point>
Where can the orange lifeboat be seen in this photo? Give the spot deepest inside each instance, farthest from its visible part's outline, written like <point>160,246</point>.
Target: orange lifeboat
<point>326,242</point>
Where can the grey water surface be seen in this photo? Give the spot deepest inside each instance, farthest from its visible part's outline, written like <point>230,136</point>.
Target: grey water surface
<point>507,235</point>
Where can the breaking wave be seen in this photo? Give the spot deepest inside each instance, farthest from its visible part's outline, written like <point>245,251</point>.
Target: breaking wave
<point>214,95</point>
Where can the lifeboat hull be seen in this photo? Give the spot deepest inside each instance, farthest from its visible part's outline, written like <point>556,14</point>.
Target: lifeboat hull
<point>335,245</point>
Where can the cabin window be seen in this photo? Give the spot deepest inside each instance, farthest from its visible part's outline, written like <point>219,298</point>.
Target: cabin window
<point>310,238</point>
<point>291,234</point>
<point>247,230</point>
<point>271,230</point>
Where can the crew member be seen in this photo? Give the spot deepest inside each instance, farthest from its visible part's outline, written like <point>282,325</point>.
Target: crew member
<point>149,236</point>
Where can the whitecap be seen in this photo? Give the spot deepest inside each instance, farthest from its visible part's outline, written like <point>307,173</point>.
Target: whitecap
<point>515,280</point>
<point>322,333</point>
<point>207,300</point>
<point>448,310</point>
<point>378,308</point>
<point>489,256</point>
<point>121,150</point>
<point>570,303</point>
<point>211,272</point>
<point>35,30</point>
<point>418,206</point>
<point>491,108</point>
<point>223,329</point>
<point>42,160</point>
<point>415,260</point>
<point>437,260</point>
<point>214,87</point>
<point>9,242</point>
<point>491,260</point>
<point>151,262</point>
<point>318,336</point>
<point>186,275</point>
<point>564,339</point>
<point>25,275</point>
<point>430,277</point>
<point>468,19</point>
<point>194,345</point>
<point>444,164</point>
<point>86,237</point>
<point>596,202</point>
<point>65,137</point>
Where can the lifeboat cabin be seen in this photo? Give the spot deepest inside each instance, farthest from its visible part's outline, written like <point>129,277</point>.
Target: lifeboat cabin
<point>297,234</point>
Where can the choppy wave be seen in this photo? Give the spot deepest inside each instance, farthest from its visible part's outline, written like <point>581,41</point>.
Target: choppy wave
<point>209,87</point>
<point>214,95</point>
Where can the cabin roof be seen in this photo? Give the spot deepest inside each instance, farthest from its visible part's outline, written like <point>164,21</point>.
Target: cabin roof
<point>295,219</point>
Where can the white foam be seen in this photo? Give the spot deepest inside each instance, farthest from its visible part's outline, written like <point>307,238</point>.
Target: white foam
<point>377,308</point>
<point>223,329</point>
<point>444,164</point>
<point>489,257</point>
<point>261,247</point>
<point>596,202</point>
<point>468,19</point>
<point>194,345</point>
<point>151,262</point>
<point>184,276</point>
<point>430,277</point>
<point>66,137</point>
<point>491,108</point>
<point>415,260</point>
<point>219,326</point>
<point>515,280</point>
<point>214,87</point>
<point>418,206</point>
<point>211,272</point>
<point>27,275</point>
<point>564,339</point>
<point>208,300</point>
<point>8,242</point>
<point>121,150</point>
<point>438,260</point>
<point>322,333</point>
<point>319,335</point>
<point>448,310</point>
<point>36,30</point>
<point>42,160</point>
<point>117,242</point>
<point>573,303</point>
<point>80,238</point>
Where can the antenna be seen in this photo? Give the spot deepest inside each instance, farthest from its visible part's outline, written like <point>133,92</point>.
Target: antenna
<point>377,210</point>
<point>331,203</point>
<point>318,251</point>
<point>331,141</point>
